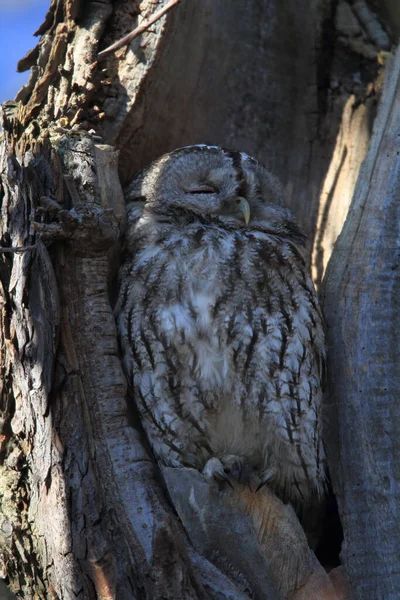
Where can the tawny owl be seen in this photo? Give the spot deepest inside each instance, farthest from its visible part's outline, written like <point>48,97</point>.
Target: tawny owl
<point>219,323</point>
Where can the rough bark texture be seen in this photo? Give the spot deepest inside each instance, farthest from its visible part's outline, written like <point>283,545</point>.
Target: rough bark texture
<point>361,299</point>
<point>96,521</point>
<point>84,512</point>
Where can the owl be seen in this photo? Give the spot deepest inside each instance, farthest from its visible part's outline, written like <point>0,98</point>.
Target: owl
<point>219,323</point>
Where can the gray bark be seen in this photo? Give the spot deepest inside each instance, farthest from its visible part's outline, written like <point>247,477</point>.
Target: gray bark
<point>84,510</point>
<point>361,301</point>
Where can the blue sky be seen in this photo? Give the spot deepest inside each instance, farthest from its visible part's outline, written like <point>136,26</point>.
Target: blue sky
<point>18,20</point>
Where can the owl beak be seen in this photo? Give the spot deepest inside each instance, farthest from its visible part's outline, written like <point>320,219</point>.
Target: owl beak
<point>243,208</point>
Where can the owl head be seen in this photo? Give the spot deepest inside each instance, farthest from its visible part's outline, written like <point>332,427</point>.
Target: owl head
<point>212,185</point>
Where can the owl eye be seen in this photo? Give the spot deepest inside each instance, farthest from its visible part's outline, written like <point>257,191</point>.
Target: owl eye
<point>203,189</point>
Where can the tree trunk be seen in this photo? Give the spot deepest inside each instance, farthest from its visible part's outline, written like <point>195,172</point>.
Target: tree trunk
<point>85,513</point>
<point>361,299</point>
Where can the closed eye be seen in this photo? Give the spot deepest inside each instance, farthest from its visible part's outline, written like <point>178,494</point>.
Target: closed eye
<point>202,189</point>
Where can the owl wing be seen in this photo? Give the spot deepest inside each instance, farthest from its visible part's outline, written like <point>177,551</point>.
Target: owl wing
<point>278,353</point>
<point>159,354</point>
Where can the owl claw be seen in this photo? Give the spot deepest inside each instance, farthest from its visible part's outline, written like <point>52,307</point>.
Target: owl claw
<point>260,485</point>
<point>214,471</point>
<point>228,481</point>
<point>268,475</point>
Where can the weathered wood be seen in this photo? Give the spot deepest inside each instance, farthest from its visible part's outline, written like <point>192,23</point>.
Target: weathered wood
<point>82,510</point>
<point>337,190</point>
<point>273,559</point>
<point>30,318</point>
<point>361,301</point>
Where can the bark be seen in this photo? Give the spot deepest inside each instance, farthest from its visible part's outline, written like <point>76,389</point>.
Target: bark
<point>85,513</point>
<point>361,301</point>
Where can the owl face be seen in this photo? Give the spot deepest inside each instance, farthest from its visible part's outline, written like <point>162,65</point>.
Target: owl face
<point>228,187</point>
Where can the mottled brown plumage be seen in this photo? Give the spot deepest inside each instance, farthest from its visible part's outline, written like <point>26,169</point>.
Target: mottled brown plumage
<point>219,323</point>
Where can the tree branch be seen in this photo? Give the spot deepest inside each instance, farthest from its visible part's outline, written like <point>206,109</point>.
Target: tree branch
<point>136,32</point>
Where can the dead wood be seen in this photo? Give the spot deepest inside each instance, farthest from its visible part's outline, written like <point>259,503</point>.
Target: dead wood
<point>84,511</point>
<point>361,304</point>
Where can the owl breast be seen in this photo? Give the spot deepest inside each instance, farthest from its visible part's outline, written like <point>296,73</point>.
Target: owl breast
<point>223,341</point>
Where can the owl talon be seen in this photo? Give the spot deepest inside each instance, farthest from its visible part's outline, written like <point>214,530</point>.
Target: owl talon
<point>214,471</point>
<point>268,475</point>
<point>260,485</point>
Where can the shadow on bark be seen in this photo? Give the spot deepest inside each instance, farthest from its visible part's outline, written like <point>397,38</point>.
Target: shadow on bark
<point>84,510</point>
